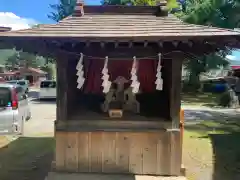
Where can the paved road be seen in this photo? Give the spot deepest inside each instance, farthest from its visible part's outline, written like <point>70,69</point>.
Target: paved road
<point>43,116</point>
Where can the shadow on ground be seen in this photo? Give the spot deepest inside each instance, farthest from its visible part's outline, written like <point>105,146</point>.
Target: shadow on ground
<point>224,136</point>
<point>226,149</point>
<point>205,99</point>
<point>33,94</point>
<point>26,158</point>
<point>194,115</point>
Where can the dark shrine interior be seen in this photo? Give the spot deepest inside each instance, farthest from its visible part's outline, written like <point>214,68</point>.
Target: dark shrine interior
<point>154,105</point>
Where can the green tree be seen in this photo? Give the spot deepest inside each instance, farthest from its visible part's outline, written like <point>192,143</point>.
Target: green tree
<point>13,61</point>
<point>50,70</point>
<point>219,13</point>
<point>27,59</point>
<point>61,10</point>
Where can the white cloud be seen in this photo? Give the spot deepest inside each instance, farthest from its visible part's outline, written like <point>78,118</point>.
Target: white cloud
<point>8,19</point>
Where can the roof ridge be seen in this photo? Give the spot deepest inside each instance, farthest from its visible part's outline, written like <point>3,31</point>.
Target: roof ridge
<point>120,9</point>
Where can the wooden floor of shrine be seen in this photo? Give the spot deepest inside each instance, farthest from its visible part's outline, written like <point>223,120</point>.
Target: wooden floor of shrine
<point>84,176</point>
<point>89,120</point>
<point>91,115</point>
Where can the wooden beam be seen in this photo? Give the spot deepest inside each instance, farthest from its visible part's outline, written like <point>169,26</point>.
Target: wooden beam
<point>145,43</point>
<point>102,44</point>
<point>130,45</point>
<point>160,44</point>
<point>87,43</point>
<point>190,43</point>
<point>175,43</point>
<point>116,44</point>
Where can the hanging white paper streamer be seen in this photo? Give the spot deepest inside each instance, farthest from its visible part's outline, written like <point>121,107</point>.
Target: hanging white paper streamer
<point>135,83</point>
<point>80,72</point>
<point>159,80</point>
<point>106,84</point>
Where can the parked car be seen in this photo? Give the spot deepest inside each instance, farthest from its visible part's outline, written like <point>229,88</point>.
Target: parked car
<point>14,108</point>
<point>23,83</point>
<point>48,89</point>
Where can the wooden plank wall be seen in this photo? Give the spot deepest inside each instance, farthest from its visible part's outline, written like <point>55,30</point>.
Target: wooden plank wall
<point>151,153</point>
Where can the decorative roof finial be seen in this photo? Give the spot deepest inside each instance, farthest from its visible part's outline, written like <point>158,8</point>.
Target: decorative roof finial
<point>161,8</point>
<point>79,10</point>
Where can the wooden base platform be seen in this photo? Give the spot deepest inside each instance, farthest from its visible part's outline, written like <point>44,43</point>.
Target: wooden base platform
<point>128,152</point>
<point>83,176</point>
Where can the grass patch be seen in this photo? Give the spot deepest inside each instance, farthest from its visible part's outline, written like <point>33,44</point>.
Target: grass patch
<point>26,158</point>
<point>211,150</point>
<point>200,99</point>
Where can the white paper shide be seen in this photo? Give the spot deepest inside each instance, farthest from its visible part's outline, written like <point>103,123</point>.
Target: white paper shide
<point>80,72</point>
<point>106,84</point>
<point>135,83</point>
<point>159,80</point>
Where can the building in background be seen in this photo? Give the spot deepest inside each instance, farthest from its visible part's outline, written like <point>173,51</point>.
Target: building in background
<point>33,75</point>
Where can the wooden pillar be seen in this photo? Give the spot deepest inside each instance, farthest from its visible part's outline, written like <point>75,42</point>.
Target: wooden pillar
<point>62,87</point>
<point>175,90</point>
<point>175,107</point>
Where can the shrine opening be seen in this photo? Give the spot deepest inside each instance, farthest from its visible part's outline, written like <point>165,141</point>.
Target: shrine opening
<point>119,84</point>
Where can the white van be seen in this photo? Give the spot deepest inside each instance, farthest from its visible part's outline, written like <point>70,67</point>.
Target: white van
<point>14,109</point>
<point>48,89</point>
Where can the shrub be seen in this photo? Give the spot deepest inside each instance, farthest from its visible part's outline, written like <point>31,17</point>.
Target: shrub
<point>225,99</point>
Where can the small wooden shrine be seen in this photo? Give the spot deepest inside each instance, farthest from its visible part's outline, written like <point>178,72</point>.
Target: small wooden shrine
<point>118,85</point>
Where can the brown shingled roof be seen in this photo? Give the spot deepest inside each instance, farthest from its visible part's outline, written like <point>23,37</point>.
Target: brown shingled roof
<point>109,23</point>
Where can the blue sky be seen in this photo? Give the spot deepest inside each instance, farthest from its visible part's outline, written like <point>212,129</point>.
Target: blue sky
<point>235,56</point>
<point>33,9</point>
<point>20,13</point>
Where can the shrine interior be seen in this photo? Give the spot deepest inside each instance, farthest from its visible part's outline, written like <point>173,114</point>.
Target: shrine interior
<point>87,103</point>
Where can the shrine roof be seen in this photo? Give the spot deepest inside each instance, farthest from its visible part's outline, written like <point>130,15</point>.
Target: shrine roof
<point>129,22</point>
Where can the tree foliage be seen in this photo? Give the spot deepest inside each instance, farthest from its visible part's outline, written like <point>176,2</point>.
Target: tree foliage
<point>219,13</point>
<point>13,61</point>
<point>50,70</point>
<point>22,59</point>
<point>61,10</point>
<point>27,59</point>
